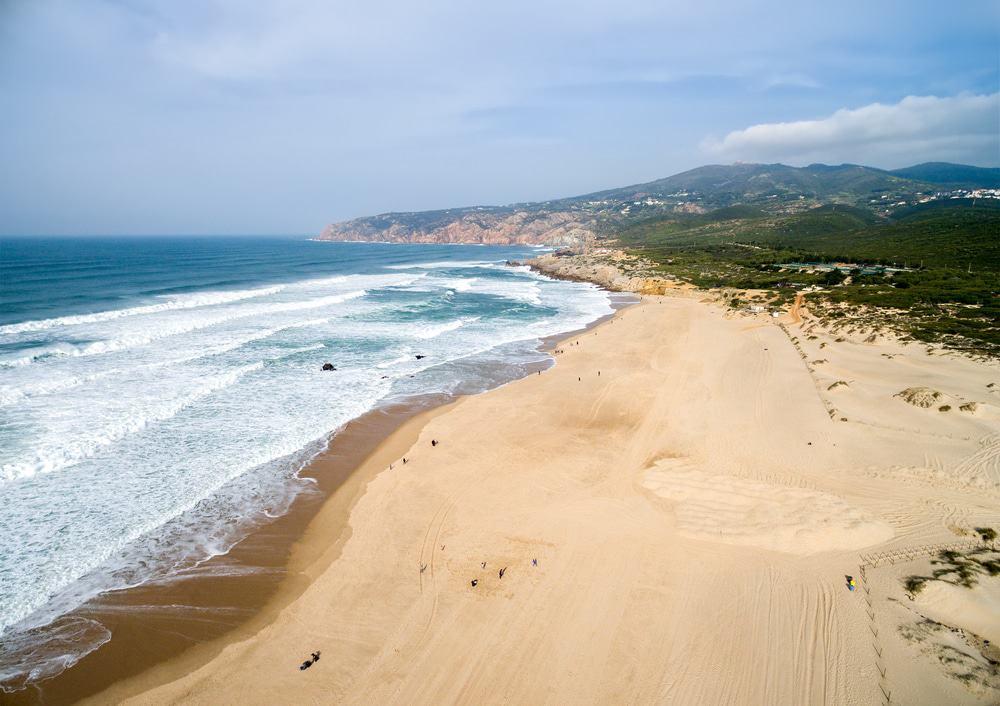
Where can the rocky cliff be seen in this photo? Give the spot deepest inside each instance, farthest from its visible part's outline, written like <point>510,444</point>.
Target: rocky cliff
<point>474,226</point>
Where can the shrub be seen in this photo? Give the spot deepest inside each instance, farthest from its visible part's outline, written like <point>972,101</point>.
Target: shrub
<point>987,534</point>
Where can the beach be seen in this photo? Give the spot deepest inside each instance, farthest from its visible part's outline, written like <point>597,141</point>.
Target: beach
<point>201,396</point>
<point>675,510</point>
<point>444,355</point>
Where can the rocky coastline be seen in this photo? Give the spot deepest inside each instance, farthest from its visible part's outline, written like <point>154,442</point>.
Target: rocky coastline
<point>613,270</point>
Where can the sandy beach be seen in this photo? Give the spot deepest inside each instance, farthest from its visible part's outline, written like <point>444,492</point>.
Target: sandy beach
<point>675,506</point>
<point>233,594</point>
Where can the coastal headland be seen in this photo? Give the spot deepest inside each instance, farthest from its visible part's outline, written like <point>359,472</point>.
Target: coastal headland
<point>673,513</point>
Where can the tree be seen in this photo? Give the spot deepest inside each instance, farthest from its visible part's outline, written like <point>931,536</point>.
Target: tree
<point>834,277</point>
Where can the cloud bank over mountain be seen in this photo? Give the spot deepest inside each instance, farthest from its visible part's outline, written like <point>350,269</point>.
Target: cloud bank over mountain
<point>963,128</point>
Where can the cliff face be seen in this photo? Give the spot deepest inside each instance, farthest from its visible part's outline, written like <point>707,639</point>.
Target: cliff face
<point>476,227</point>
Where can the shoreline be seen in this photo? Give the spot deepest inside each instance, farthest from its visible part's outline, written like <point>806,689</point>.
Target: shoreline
<point>675,511</point>
<point>160,621</point>
<point>631,531</point>
<point>162,624</point>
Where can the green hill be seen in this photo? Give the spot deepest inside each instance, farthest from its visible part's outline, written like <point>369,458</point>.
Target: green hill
<point>950,292</point>
<point>951,234</point>
<point>722,190</point>
<point>721,185</point>
<point>946,173</point>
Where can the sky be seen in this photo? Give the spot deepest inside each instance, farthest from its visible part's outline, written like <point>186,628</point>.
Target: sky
<point>280,116</point>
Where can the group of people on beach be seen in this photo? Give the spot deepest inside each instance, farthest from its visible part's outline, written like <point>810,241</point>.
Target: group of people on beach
<point>475,582</point>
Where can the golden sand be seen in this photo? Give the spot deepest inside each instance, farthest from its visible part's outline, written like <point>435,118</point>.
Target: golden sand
<point>675,506</point>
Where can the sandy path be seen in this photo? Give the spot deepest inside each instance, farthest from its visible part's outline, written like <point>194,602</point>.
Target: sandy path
<point>795,311</point>
<point>693,511</point>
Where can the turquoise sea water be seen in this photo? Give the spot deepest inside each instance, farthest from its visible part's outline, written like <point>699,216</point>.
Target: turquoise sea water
<point>158,396</point>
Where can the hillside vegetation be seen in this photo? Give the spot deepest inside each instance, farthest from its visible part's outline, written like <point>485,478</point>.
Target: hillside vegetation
<point>945,173</point>
<point>949,291</point>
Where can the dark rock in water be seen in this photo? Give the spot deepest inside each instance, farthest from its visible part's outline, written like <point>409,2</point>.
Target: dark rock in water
<point>328,366</point>
<point>420,356</point>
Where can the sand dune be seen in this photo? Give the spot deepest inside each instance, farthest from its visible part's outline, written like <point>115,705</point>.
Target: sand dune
<point>674,530</point>
<point>960,607</point>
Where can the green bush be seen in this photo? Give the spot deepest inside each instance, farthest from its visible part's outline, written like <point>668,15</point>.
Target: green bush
<point>987,534</point>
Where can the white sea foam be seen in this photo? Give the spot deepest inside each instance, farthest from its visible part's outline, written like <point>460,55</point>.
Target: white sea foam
<point>320,282</point>
<point>447,264</point>
<point>305,349</point>
<point>12,394</point>
<point>47,460</point>
<point>407,358</point>
<point>522,291</point>
<point>426,332</point>
<point>183,301</point>
<point>159,330</point>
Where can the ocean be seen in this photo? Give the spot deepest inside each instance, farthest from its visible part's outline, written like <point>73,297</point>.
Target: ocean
<point>159,396</point>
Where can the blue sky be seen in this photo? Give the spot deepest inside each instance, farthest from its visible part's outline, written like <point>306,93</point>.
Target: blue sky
<point>223,116</point>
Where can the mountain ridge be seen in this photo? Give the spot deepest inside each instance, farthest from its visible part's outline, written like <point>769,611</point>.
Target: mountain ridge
<point>576,220</point>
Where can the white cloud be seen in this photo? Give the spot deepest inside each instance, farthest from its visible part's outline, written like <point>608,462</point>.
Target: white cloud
<point>962,128</point>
